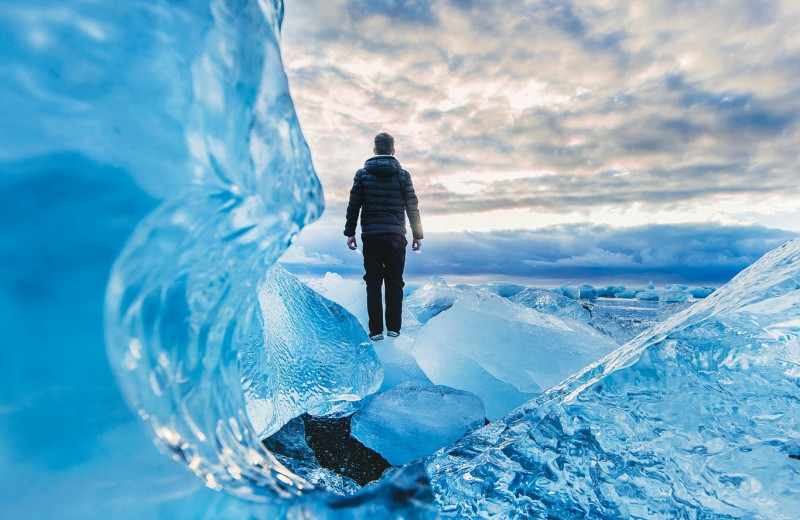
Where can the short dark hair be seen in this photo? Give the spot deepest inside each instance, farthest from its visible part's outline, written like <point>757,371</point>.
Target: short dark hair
<point>384,144</point>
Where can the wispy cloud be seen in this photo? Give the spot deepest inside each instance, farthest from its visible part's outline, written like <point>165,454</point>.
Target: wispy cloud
<point>686,253</point>
<point>661,104</point>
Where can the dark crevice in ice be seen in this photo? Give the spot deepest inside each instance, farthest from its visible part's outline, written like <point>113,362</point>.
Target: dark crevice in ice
<point>334,448</point>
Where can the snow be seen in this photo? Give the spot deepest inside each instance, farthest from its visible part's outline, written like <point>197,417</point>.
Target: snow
<point>412,421</point>
<point>504,352</point>
<point>695,418</point>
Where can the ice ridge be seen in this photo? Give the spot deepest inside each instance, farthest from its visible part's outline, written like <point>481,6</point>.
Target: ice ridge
<point>696,418</point>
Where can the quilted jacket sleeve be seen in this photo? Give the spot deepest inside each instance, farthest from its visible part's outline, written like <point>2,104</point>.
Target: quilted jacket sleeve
<point>354,206</point>
<point>412,208</point>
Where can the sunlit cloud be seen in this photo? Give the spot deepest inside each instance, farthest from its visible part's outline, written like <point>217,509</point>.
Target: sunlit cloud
<point>520,115</point>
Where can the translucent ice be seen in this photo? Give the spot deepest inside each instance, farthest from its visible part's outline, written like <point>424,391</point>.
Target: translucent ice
<point>413,421</point>
<point>109,110</point>
<point>702,292</point>
<point>432,298</point>
<point>394,353</point>
<point>549,302</point>
<point>587,291</point>
<point>315,357</point>
<point>504,352</point>
<point>349,293</point>
<point>568,290</point>
<point>624,318</point>
<point>673,295</point>
<point>695,419</point>
<point>504,289</point>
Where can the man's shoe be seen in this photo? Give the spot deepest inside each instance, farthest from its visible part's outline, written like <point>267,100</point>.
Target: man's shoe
<point>392,334</point>
<point>376,337</point>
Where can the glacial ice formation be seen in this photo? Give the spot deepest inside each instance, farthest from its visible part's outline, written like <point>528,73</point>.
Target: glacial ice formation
<point>504,289</point>
<point>394,354</point>
<point>314,358</point>
<point>623,318</point>
<point>503,352</point>
<point>695,419</point>
<point>432,298</point>
<point>412,421</point>
<point>549,302</point>
<point>180,111</point>
<point>182,297</point>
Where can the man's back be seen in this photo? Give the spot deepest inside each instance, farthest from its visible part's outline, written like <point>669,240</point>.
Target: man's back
<point>383,193</point>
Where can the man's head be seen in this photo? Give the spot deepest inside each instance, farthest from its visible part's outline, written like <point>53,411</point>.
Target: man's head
<point>384,144</point>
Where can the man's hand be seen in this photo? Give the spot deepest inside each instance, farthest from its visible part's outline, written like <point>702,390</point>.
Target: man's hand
<point>416,244</point>
<point>351,243</point>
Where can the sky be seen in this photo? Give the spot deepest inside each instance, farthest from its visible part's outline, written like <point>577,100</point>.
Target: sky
<point>558,140</point>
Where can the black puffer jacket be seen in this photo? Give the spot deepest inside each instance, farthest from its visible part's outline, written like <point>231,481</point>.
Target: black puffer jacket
<point>383,193</point>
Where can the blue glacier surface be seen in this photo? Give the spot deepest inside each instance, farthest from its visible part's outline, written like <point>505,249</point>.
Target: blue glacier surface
<point>696,418</point>
<point>151,171</point>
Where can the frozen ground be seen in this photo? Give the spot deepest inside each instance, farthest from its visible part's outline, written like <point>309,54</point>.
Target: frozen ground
<point>155,170</point>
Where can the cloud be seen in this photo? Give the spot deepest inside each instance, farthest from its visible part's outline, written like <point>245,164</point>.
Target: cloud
<point>418,11</point>
<point>298,256</point>
<point>685,253</point>
<point>658,105</point>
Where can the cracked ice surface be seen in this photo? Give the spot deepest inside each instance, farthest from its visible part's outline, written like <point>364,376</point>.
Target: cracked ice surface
<point>315,357</point>
<point>694,419</point>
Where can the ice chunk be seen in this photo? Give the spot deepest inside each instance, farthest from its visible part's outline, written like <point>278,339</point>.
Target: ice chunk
<point>622,318</point>
<point>702,292</point>
<point>399,364</point>
<point>695,419</point>
<point>610,291</point>
<point>349,293</point>
<point>627,293</point>
<point>394,353</point>
<point>650,295</point>
<point>315,356</point>
<point>587,291</point>
<point>568,290</point>
<point>673,296</point>
<point>412,421</point>
<point>431,299</point>
<point>504,289</point>
<point>549,302</point>
<point>110,109</point>
<point>504,352</point>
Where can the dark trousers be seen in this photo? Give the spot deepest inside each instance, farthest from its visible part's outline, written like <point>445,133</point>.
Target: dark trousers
<point>384,261</point>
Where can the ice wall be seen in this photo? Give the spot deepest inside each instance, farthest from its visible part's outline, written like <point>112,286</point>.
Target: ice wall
<point>699,418</point>
<point>182,295</point>
<point>314,358</point>
<point>112,109</point>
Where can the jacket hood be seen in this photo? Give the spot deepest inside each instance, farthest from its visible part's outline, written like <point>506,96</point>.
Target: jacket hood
<point>382,165</point>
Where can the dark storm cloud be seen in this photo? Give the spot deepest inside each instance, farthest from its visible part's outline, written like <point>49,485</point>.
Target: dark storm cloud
<point>694,254</point>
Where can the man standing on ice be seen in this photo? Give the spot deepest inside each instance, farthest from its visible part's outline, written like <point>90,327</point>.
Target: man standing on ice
<point>383,193</point>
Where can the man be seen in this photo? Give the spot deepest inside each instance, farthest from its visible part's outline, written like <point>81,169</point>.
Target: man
<point>383,193</point>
